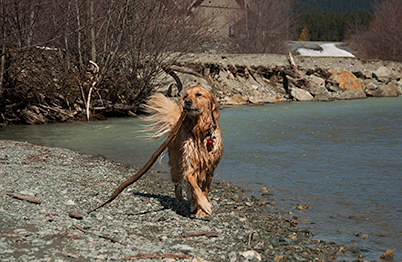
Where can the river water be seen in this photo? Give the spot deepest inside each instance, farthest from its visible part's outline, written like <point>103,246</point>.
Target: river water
<point>343,159</point>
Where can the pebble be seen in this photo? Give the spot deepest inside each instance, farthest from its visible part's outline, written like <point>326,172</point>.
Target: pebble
<point>70,203</point>
<point>388,255</point>
<point>249,254</point>
<point>75,214</point>
<point>301,207</point>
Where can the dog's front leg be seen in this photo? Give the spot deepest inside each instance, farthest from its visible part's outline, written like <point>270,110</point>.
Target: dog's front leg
<point>200,199</point>
<point>207,183</point>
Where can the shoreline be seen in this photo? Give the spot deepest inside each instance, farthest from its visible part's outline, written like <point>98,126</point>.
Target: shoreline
<point>236,79</point>
<point>143,222</point>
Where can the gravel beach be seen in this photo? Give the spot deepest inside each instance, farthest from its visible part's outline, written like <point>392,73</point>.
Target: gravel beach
<point>143,223</point>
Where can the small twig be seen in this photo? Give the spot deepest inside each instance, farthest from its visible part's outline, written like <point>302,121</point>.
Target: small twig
<point>250,238</point>
<point>89,232</point>
<point>29,199</point>
<point>157,256</point>
<point>201,234</point>
<point>96,70</point>
<point>7,235</point>
<point>148,165</point>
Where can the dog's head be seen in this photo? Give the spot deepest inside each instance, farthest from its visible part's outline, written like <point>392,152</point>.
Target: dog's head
<point>199,101</point>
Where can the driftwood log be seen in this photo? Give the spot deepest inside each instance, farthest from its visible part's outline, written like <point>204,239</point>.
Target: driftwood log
<point>293,64</point>
<point>29,199</point>
<point>32,118</point>
<point>148,165</point>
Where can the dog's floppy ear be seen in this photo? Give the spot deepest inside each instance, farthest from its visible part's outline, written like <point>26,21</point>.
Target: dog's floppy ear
<point>213,107</point>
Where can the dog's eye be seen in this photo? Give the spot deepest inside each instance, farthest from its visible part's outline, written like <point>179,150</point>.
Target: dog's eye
<point>198,95</point>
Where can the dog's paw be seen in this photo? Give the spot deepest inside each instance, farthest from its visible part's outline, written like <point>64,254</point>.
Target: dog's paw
<point>205,206</point>
<point>200,214</point>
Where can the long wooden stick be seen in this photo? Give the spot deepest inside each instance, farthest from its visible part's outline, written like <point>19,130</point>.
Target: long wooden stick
<point>148,165</point>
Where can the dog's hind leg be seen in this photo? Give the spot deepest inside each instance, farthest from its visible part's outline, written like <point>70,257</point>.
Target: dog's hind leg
<point>191,199</point>
<point>177,180</point>
<point>178,193</point>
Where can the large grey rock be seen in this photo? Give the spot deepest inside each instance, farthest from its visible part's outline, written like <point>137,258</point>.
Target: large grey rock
<point>371,86</point>
<point>383,74</point>
<point>396,86</point>
<point>267,99</point>
<point>317,80</point>
<point>399,86</point>
<point>236,99</point>
<point>385,91</point>
<point>300,94</point>
<point>353,94</point>
<point>333,87</point>
<point>323,97</point>
<point>317,86</point>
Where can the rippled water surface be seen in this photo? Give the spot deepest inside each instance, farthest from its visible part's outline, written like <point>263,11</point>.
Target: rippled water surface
<point>343,159</point>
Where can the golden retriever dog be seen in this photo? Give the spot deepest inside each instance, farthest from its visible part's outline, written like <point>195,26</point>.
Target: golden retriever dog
<point>197,148</point>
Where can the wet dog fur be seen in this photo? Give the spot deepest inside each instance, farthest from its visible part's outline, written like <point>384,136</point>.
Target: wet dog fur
<point>197,149</point>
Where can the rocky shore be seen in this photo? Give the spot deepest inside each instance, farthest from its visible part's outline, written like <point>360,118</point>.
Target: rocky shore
<point>142,224</point>
<point>267,78</point>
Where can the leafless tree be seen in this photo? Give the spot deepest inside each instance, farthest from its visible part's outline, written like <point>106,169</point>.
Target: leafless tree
<point>264,26</point>
<point>383,38</point>
<point>46,47</point>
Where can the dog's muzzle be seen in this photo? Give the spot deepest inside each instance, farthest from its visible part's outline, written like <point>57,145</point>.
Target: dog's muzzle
<point>188,105</point>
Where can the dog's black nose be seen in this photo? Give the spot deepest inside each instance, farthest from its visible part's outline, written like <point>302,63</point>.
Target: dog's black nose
<point>188,103</point>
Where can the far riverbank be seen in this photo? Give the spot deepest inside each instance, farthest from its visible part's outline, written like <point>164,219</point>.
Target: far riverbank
<point>235,80</point>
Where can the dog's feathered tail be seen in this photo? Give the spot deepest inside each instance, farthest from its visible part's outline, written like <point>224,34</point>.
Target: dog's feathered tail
<point>163,114</point>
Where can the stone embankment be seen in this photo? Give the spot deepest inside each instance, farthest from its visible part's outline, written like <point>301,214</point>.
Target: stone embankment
<point>259,78</point>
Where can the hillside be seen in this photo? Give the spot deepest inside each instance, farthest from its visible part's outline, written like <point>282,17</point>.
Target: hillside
<point>332,20</point>
<point>337,6</point>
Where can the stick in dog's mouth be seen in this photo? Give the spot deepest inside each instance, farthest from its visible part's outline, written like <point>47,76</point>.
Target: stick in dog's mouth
<point>149,164</point>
